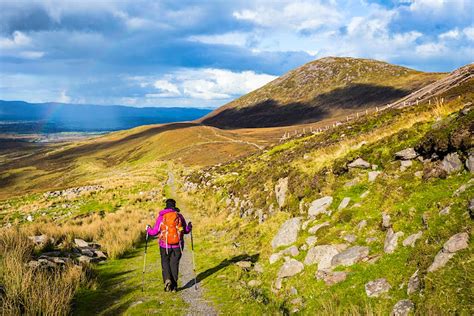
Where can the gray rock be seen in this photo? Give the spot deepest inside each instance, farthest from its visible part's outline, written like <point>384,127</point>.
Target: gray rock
<point>305,224</point>
<point>470,162</point>
<point>457,242</point>
<point>445,211</point>
<point>330,277</point>
<point>288,233</point>
<point>84,259</point>
<point>451,163</point>
<point>293,291</point>
<point>413,283</point>
<point>275,257</point>
<point>278,283</point>
<point>304,247</point>
<point>359,163</point>
<point>406,154</point>
<point>254,283</point>
<point>87,252</point>
<point>291,251</point>
<point>411,240</point>
<point>391,241</point>
<point>365,194</point>
<point>317,227</point>
<point>405,164</point>
<point>370,240</point>
<point>372,175</point>
<point>320,206</point>
<point>244,264</point>
<point>361,224</point>
<point>419,174</point>
<point>80,243</point>
<point>377,287</point>
<point>402,308</point>
<point>258,267</point>
<point>352,182</point>
<point>349,238</point>
<point>39,240</point>
<point>350,256</point>
<point>440,260</point>
<point>322,255</point>
<point>29,218</point>
<point>290,268</point>
<point>344,203</point>
<point>386,221</point>
<point>280,191</point>
<point>311,241</point>
<point>33,264</point>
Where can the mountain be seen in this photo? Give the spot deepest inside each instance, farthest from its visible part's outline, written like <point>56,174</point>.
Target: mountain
<point>328,87</point>
<point>60,117</point>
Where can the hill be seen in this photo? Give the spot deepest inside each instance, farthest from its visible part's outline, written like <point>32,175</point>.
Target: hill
<point>318,90</point>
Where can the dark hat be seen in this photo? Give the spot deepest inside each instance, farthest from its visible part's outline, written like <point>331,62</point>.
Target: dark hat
<point>170,203</point>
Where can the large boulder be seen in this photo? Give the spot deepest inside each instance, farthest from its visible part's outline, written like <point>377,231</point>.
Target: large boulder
<point>377,287</point>
<point>350,256</point>
<point>290,268</point>
<point>391,241</point>
<point>451,163</point>
<point>280,191</point>
<point>406,154</point>
<point>322,255</point>
<point>288,233</point>
<point>320,206</point>
<point>331,277</point>
<point>402,308</point>
<point>454,244</point>
<point>359,163</point>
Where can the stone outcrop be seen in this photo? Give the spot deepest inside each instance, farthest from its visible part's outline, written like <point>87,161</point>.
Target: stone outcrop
<point>350,256</point>
<point>411,240</point>
<point>451,163</point>
<point>290,268</point>
<point>377,287</point>
<point>288,233</point>
<point>331,277</point>
<point>391,241</point>
<point>406,154</point>
<point>322,255</point>
<point>317,227</point>
<point>344,203</point>
<point>372,175</point>
<point>454,244</point>
<point>402,308</point>
<point>359,163</point>
<point>280,191</point>
<point>320,206</point>
<point>414,283</point>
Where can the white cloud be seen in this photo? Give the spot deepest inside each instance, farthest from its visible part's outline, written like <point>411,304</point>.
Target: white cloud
<point>167,89</point>
<point>19,39</point>
<point>31,54</point>
<point>450,35</point>
<point>469,32</point>
<point>430,49</point>
<point>232,38</point>
<point>63,97</point>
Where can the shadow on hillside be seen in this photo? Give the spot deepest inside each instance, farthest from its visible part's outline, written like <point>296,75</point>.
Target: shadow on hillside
<point>270,113</point>
<point>225,263</point>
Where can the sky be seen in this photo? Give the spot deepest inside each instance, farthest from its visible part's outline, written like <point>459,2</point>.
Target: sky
<point>207,53</point>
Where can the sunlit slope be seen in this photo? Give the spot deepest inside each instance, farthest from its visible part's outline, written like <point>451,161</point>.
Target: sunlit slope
<point>319,90</point>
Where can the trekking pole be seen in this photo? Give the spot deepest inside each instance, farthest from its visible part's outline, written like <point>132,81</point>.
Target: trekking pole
<point>194,263</point>
<point>144,262</point>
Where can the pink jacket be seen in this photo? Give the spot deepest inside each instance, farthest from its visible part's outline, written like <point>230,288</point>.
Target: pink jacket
<point>155,230</point>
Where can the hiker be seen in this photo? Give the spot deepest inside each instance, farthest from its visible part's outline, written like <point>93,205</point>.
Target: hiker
<point>170,227</point>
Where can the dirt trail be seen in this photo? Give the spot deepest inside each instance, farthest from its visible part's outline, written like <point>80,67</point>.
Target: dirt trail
<point>191,294</point>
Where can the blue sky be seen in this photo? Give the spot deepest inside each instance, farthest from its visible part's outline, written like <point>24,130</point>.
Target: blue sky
<point>206,53</point>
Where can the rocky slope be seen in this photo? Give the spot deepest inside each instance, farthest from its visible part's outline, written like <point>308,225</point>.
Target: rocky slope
<point>318,90</point>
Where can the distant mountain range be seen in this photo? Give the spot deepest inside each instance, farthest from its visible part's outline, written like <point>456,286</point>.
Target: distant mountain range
<point>23,117</point>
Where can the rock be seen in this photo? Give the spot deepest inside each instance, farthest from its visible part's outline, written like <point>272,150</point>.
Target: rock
<point>291,251</point>
<point>372,175</point>
<point>451,163</point>
<point>84,259</point>
<point>80,243</point>
<point>322,255</point>
<point>359,163</point>
<point>246,265</point>
<point>99,254</point>
<point>330,277</point>
<point>288,233</point>
<point>290,268</point>
<point>365,194</point>
<point>280,191</point>
<point>361,224</point>
<point>304,247</point>
<point>471,208</point>
<point>29,218</point>
<point>413,283</point>
<point>386,221</point>
<point>402,308</point>
<point>293,291</point>
<point>405,164</point>
<point>311,241</point>
<point>317,227</point>
<point>33,264</point>
<point>470,162</point>
<point>305,224</point>
<point>445,211</point>
<point>375,167</point>
<point>406,154</point>
<point>418,174</point>
<point>39,240</point>
<point>349,238</point>
<point>350,256</point>
<point>411,240</point>
<point>370,240</point>
<point>440,260</point>
<point>377,287</point>
<point>434,170</point>
<point>456,243</point>
<point>254,283</point>
<point>87,252</point>
<point>320,206</point>
<point>258,267</point>
<point>275,257</point>
<point>352,182</point>
<point>391,241</point>
<point>344,203</point>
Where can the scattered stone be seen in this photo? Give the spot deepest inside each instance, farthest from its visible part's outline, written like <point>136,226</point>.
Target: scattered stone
<point>419,174</point>
<point>87,252</point>
<point>290,268</point>
<point>402,308</point>
<point>352,182</point>
<point>322,255</point>
<point>320,206</point>
<point>350,256</point>
<point>434,170</point>
<point>356,205</point>
<point>84,259</point>
<point>361,224</point>
<point>365,194</point>
<point>304,247</point>
<point>349,238</point>
<point>425,219</point>
<point>39,240</point>
<point>359,163</point>
<point>411,240</point>
<point>136,303</point>
<point>80,243</point>
<point>451,163</point>
<point>375,167</point>
<point>370,240</point>
<point>372,175</point>
<point>413,283</point>
<point>258,267</point>
<point>291,251</point>
<point>406,154</point>
<point>330,277</point>
<point>405,164</point>
<point>377,287</point>
<point>344,203</point>
<point>99,254</point>
<point>293,291</point>
<point>29,218</point>
<point>386,221</point>
<point>305,224</point>
<point>391,241</point>
<point>470,162</point>
<point>440,260</point>
<point>454,244</point>
<point>288,233</point>
<point>278,283</point>
<point>471,208</point>
<point>311,240</point>
<point>34,264</point>
<point>254,283</point>
<point>445,211</point>
<point>275,257</point>
<point>317,227</point>
<point>280,191</point>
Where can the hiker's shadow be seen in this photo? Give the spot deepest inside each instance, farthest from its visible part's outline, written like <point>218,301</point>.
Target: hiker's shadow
<point>225,263</point>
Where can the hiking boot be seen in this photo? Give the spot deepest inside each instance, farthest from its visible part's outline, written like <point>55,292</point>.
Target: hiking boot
<point>168,286</point>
